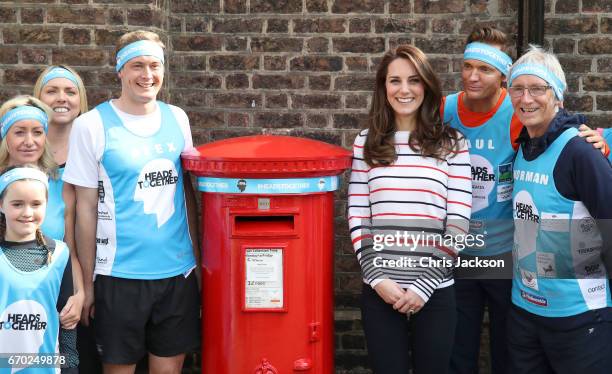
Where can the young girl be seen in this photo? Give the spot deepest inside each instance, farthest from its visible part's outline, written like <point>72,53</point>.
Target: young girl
<point>24,126</point>
<point>35,271</point>
<point>411,175</point>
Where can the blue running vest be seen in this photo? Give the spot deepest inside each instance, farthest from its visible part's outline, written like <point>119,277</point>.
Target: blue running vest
<point>607,134</point>
<point>142,219</point>
<point>558,271</point>
<point>491,156</point>
<point>29,321</point>
<point>53,225</point>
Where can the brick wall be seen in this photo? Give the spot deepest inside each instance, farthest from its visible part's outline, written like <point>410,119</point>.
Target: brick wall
<point>297,67</point>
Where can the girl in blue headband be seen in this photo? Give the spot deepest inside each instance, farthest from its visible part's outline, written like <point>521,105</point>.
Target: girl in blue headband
<point>35,270</point>
<point>62,89</point>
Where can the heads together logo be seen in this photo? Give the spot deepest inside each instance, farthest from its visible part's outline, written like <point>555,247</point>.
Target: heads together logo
<point>22,327</point>
<point>242,185</point>
<point>156,187</point>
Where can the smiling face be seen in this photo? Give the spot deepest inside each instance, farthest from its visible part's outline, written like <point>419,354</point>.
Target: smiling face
<point>481,81</point>
<point>25,141</point>
<point>63,97</point>
<point>405,92</point>
<point>535,112</point>
<point>141,80</point>
<point>24,205</point>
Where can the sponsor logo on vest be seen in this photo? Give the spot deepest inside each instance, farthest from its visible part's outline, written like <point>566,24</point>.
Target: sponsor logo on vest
<point>584,251</point>
<point>101,261</point>
<point>601,287</point>
<point>481,143</point>
<point>156,187</point>
<point>525,212</point>
<point>592,269</point>
<point>158,179</point>
<point>534,299</point>
<point>482,174</point>
<point>23,322</point>
<point>530,176</point>
<point>101,191</point>
<point>587,224</point>
<point>103,241</point>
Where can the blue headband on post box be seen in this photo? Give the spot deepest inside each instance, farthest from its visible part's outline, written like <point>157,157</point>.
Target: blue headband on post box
<point>59,72</point>
<point>542,72</point>
<point>488,54</point>
<point>136,49</point>
<point>20,113</point>
<point>17,174</point>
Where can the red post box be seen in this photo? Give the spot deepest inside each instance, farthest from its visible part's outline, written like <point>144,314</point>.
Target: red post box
<point>267,253</point>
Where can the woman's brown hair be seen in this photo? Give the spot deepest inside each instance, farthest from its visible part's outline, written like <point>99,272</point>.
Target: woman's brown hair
<point>431,137</point>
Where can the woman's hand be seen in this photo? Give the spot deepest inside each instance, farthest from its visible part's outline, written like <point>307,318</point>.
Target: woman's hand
<point>71,312</point>
<point>410,302</point>
<point>593,137</point>
<point>389,291</point>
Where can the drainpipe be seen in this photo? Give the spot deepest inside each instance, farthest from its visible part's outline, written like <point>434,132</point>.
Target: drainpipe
<point>534,25</point>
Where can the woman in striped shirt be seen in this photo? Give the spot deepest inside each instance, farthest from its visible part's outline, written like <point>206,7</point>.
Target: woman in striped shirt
<point>409,202</point>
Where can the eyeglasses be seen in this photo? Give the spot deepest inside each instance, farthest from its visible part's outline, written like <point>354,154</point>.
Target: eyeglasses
<point>518,91</point>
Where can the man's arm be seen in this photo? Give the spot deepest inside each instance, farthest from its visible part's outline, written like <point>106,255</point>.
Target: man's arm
<point>85,235</point>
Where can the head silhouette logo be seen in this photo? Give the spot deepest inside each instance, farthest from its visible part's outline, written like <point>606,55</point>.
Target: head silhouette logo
<point>242,184</point>
<point>155,188</point>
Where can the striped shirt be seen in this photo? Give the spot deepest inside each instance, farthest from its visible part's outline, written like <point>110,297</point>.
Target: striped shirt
<point>400,216</point>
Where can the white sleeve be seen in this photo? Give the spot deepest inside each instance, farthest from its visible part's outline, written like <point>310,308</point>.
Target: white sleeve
<point>183,121</point>
<point>85,150</point>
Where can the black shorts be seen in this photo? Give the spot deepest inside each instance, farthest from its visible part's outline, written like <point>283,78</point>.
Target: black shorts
<point>133,317</point>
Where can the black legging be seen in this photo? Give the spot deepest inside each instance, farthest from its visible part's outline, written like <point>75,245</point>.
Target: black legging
<point>429,335</point>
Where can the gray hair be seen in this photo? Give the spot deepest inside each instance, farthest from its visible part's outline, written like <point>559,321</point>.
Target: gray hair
<point>536,55</point>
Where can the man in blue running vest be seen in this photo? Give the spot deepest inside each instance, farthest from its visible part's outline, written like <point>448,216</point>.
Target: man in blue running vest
<point>133,204</point>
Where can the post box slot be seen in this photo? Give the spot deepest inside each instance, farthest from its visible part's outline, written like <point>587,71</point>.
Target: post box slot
<point>263,224</point>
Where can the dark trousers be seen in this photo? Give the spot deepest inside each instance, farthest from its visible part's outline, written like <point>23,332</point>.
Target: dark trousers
<point>472,297</point>
<point>392,339</point>
<point>538,349</point>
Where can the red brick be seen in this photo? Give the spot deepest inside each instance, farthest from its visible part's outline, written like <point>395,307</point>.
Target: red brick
<point>566,6</point>
<point>196,43</point>
<point>76,36</point>
<point>437,45</point>
<point>275,63</point>
<point>106,37</point>
<point>316,63</point>
<point>575,103</point>
<point>595,46</point>
<point>277,26</point>
<point>235,62</point>
<point>606,25</point>
<point>276,6</point>
<point>440,65</point>
<point>323,136</point>
<point>238,119</point>
<point>443,26</point>
<point>358,6</point>
<point>38,35</point>
<point>8,15</point>
<point>604,102</point>
<point>237,25</point>
<point>97,96</point>
<point>478,6</point>
<point>276,44</point>
<point>144,17</point>
<point>598,120</point>
<point>581,25</point>
<point>359,45</point>
<point>196,24</point>
<point>278,120</point>
<point>108,77</point>
<point>194,62</point>
<point>395,42</point>
<point>236,81</point>
<point>32,15</point>
<point>319,82</point>
<point>399,25</point>
<point>573,83</point>
<point>350,121</point>
<point>563,45</point>
<point>510,27</point>
<point>356,63</point>
<point>317,45</point>
<point>274,101</point>
<point>236,43</point>
<point>604,65</point>
<point>399,6</point>
<point>360,25</point>
<point>21,76</point>
<point>315,101</point>
<point>439,6</point>
<point>75,15</point>
<point>354,82</point>
<point>8,55</point>
<point>234,6</point>
<point>599,6</point>
<point>116,16</point>
<point>356,101</point>
<point>6,94</point>
<point>196,80</point>
<point>316,121</point>
<point>316,6</point>
<point>278,81</point>
<point>190,98</point>
<point>575,64</point>
<point>205,120</point>
<point>79,57</point>
<point>597,83</point>
<point>319,25</point>
<point>195,6</point>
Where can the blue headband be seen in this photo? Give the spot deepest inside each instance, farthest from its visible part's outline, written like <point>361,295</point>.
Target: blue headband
<point>136,49</point>
<point>59,72</point>
<point>488,54</point>
<point>21,113</point>
<point>17,174</point>
<point>539,71</point>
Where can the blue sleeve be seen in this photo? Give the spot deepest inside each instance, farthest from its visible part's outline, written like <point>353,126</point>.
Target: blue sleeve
<point>607,134</point>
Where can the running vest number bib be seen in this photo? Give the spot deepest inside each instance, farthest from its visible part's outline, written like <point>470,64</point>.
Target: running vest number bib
<point>53,225</point>
<point>29,321</point>
<point>491,156</point>
<point>142,220</point>
<point>558,270</point>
